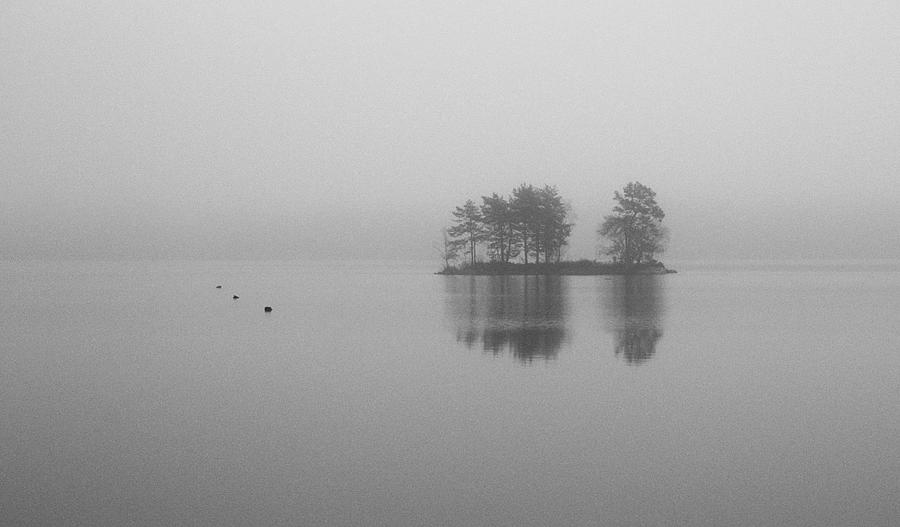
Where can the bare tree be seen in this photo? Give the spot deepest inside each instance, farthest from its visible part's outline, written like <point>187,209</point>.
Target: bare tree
<point>447,250</point>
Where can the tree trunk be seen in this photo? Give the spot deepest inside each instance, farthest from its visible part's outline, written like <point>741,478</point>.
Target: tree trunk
<point>525,245</point>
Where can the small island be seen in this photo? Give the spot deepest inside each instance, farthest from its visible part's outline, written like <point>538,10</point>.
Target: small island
<point>527,232</point>
<point>565,267</point>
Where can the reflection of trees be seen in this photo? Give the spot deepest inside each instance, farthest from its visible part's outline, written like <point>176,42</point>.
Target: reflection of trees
<point>522,315</point>
<point>633,307</point>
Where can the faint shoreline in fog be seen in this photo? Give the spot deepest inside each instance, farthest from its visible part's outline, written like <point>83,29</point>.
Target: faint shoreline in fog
<point>580,267</point>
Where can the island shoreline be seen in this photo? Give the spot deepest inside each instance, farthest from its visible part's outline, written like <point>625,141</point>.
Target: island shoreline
<point>565,268</point>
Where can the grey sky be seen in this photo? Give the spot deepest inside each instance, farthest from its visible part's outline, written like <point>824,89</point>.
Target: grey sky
<point>345,129</point>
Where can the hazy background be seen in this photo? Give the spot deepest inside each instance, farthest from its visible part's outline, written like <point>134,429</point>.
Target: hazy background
<point>350,130</point>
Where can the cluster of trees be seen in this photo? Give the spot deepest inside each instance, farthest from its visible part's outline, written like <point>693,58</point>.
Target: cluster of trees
<point>531,224</point>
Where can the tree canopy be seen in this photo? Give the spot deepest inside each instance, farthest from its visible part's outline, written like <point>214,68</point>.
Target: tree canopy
<point>468,228</point>
<point>531,223</point>
<point>531,226</point>
<point>634,230</point>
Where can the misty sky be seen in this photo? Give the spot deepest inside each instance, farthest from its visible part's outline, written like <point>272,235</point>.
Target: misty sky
<point>348,129</point>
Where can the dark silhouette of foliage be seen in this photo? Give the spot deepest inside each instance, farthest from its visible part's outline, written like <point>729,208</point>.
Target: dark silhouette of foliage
<point>531,223</point>
<point>502,243</point>
<point>634,230</point>
<point>525,216</point>
<point>468,230</point>
<point>553,230</point>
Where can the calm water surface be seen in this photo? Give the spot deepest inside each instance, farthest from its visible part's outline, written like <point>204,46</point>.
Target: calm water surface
<point>380,394</point>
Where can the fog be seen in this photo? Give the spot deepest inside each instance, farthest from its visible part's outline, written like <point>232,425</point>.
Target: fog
<point>770,130</point>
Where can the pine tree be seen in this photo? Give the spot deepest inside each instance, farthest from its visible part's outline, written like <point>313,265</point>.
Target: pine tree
<point>468,230</point>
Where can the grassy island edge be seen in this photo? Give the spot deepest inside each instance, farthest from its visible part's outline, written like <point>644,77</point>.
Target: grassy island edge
<point>579,267</point>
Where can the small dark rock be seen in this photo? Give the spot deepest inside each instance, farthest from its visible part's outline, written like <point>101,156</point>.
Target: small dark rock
<point>267,309</point>
<point>218,287</point>
<point>235,297</point>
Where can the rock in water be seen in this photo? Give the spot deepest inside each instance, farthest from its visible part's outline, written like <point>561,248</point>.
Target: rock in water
<point>235,297</point>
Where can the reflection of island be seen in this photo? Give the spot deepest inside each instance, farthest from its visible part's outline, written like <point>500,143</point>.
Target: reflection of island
<point>633,308</point>
<point>524,315</point>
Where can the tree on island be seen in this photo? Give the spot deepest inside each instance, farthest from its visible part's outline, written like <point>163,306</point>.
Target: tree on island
<point>553,231</point>
<point>499,223</point>
<point>532,222</point>
<point>447,250</point>
<point>525,214</point>
<point>468,230</point>
<point>634,230</point>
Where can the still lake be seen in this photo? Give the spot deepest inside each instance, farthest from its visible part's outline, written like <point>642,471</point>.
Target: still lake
<point>136,393</point>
